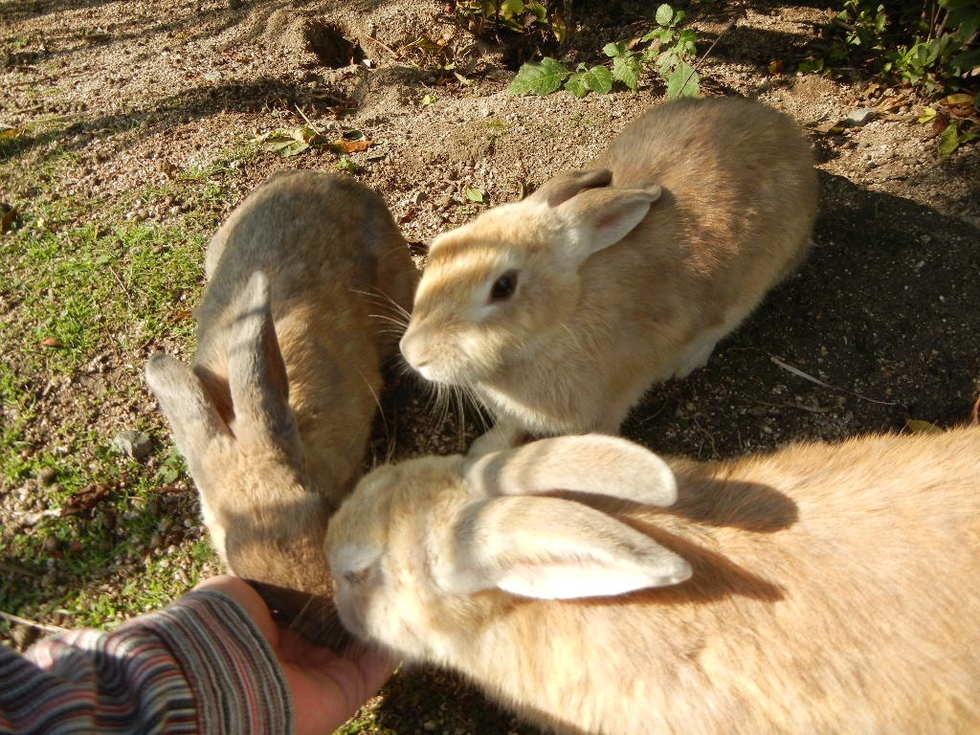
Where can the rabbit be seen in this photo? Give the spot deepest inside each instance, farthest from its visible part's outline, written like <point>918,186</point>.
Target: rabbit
<point>596,588</point>
<point>559,311</point>
<point>275,414</point>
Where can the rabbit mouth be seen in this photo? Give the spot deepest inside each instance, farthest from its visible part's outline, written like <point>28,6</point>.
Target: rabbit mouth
<point>438,370</point>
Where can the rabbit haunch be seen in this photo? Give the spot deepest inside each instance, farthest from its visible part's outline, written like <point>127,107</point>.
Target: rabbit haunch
<point>820,589</point>
<point>274,416</point>
<point>560,310</point>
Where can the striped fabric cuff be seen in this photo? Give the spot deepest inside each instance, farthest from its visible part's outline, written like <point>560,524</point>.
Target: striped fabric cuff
<point>232,671</point>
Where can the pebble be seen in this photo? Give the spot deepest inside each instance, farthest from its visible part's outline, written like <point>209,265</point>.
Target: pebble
<point>47,475</point>
<point>860,116</point>
<point>135,444</point>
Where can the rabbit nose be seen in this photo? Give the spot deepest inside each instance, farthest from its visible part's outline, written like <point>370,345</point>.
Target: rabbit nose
<point>409,347</point>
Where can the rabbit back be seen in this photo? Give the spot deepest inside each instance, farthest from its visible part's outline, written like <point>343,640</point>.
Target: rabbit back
<point>333,257</point>
<point>739,198</point>
<point>833,590</point>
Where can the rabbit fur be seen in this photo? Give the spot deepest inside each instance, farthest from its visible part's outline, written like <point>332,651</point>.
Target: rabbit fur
<point>820,589</point>
<point>275,414</point>
<point>620,276</point>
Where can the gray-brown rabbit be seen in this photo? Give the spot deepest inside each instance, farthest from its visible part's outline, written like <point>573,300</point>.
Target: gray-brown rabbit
<point>275,414</point>
<point>823,589</point>
<point>560,310</point>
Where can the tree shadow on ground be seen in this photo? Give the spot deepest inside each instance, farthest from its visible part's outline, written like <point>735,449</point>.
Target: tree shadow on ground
<point>883,314</point>
<point>183,107</point>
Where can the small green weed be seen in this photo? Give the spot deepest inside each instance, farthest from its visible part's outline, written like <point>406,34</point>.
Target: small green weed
<point>668,49</point>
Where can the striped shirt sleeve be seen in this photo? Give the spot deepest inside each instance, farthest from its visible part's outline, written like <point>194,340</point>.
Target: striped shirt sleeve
<point>199,665</point>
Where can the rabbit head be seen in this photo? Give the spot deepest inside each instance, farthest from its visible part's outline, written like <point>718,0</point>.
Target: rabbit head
<point>416,545</point>
<point>492,285</point>
<point>243,449</point>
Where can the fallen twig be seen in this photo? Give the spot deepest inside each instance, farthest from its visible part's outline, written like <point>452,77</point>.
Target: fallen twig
<point>800,406</point>
<point>704,56</point>
<point>385,46</point>
<point>806,376</point>
<point>32,623</point>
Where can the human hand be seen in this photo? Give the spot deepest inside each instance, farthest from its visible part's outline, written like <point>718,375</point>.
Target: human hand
<point>327,689</point>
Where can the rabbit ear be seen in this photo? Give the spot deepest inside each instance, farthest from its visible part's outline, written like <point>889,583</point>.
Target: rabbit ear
<point>551,548</point>
<point>598,218</point>
<point>256,371</point>
<point>591,463</point>
<point>564,186</point>
<point>192,414</point>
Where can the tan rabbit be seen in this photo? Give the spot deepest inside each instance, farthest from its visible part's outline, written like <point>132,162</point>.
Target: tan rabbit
<point>829,588</point>
<point>275,414</point>
<point>560,310</point>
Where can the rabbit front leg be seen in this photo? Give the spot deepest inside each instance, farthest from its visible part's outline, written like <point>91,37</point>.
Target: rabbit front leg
<point>505,434</point>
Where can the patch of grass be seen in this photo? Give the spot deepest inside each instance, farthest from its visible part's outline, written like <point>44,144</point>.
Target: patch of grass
<point>82,288</point>
<point>223,163</point>
<point>79,282</point>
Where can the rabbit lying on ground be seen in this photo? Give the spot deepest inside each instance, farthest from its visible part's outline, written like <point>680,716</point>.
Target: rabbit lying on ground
<point>275,414</point>
<point>820,589</point>
<point>560,310</point>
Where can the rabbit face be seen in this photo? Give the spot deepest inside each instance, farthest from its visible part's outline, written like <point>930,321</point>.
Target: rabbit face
<point>497,287</point>
<point>426,551</point>
<point>384,554</point>
<point>479,302</point>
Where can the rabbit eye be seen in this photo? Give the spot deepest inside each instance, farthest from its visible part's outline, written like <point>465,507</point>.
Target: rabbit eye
<point>503,288</point>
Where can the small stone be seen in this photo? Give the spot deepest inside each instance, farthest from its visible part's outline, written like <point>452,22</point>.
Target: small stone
<point>47,475</point>
<point>8,215</point>
<point>862,115</point>
<point>135,444</point>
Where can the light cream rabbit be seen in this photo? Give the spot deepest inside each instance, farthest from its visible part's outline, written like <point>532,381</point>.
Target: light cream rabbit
<point>275,415</point>
<point>829,588</point>
<point>560,310</point>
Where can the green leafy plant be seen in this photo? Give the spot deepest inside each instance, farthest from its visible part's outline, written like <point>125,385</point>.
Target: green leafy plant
<point>954,120</point>
<point>668,49</point>
<point>927,43</point>
<point>671,51</point>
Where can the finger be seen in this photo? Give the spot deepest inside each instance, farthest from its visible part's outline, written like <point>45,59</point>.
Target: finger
<point>376,666</point>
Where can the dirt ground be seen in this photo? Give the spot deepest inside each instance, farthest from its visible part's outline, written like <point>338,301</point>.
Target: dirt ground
<point>880,326</point>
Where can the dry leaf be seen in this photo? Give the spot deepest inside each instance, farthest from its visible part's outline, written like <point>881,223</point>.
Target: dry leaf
<point>341,145</point>
<point>86,499</point>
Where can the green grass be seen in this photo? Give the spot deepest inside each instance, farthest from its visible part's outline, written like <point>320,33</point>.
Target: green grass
<point>79,281</point>
<point>85,286</point>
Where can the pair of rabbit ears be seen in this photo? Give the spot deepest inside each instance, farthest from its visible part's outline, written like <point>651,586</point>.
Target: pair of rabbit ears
<point>254,406</point>
<point>521,539</point>
<point>588,213</point>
